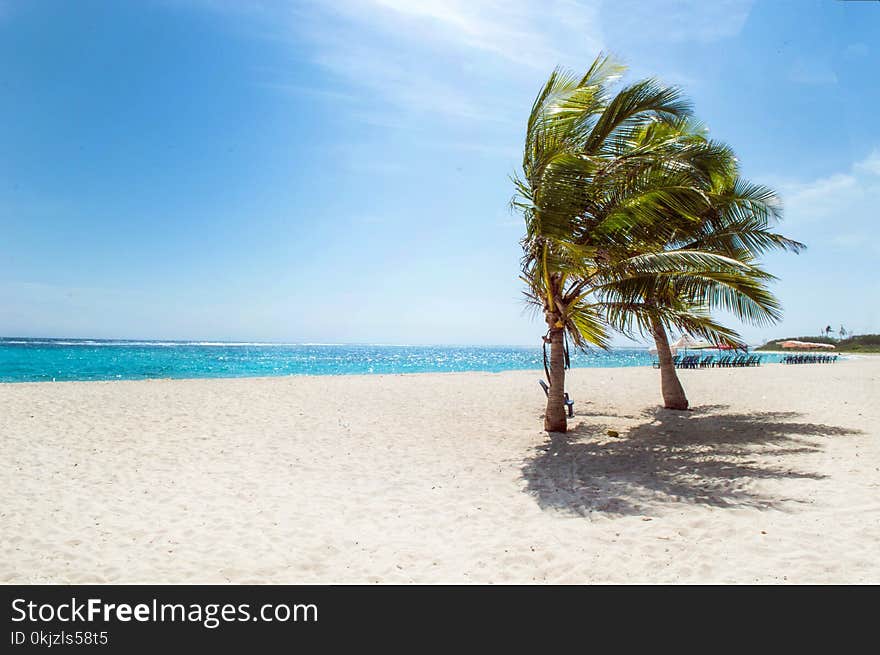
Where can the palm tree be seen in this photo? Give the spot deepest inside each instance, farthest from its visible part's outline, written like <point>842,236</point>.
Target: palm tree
<point>704,258</point>
<point>578,169</point>
<point>636,221</point>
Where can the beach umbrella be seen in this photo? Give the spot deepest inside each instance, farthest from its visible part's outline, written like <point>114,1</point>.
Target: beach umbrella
<point>806,345</point>
<point>684,341</point>
<point>725,346</point>
<point>689,343</point>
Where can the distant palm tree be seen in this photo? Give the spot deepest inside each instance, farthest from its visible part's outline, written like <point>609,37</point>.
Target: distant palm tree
<point>578,177</point>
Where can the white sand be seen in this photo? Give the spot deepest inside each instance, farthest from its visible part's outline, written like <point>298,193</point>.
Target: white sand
<point>445,478</point>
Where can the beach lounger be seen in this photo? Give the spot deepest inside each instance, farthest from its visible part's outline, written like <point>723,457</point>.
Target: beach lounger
<point>569,403</point>
<point>675,360</point>
<point>809,359</point>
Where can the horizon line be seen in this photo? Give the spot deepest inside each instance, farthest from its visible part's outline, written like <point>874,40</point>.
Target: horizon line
<point>288,343</point>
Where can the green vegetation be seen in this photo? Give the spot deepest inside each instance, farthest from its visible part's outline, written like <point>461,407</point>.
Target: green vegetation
<point>636,222</point>
<point>863,343</point>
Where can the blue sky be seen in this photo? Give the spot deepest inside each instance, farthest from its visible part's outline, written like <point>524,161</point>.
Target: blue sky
<point>339,171</point>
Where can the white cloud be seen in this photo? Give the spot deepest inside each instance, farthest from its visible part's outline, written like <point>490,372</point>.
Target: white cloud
<point>465,62</point>
<point>836,217</point>
<point>809,201</point>
<point>853,240</point>
<point>839,209</point>
<point>870,165</point>
<point>698,21</point>
<point>514,31</point>
<point>517,31</point>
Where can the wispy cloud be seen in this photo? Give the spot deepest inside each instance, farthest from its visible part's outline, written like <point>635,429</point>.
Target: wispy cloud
<point>457,60</point>
<point>517,31</point>
<point>870,165</point>
<point>465,61</point>
<point>840,208</point>
<point>462,61</point>
<point>682,21</point>
<point>809,201</point>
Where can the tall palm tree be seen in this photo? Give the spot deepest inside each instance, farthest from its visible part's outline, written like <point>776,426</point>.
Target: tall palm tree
<point>706,258</point>
<point>635,220</point>
<point>581,175</point>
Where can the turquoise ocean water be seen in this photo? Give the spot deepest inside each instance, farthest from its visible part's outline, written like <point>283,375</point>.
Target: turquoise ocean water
<point>34,360</point>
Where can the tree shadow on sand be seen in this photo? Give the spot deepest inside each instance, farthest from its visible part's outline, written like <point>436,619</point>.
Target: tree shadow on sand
<point>707,457</point>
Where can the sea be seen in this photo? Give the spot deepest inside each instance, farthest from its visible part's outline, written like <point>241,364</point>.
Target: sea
<point>37,360</point>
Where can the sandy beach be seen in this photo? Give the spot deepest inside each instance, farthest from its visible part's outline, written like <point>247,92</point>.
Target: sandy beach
<point>445,478</point>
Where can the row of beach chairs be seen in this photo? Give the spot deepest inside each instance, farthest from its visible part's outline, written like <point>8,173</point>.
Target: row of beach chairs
<point>809,359</point>
<point>709,361</point>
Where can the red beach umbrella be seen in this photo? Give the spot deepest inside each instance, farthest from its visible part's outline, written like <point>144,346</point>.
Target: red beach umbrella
<point>806,345</point>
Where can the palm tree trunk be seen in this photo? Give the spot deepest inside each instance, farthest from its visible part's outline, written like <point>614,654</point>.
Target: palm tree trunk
<point>554,417</point>
<point>670,385</point>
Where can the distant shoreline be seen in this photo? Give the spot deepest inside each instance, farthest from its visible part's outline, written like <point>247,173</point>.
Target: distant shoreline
<point>419,374</point>
<point>76,341</point>
<point>45,360</point>
<point>56,361</point>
